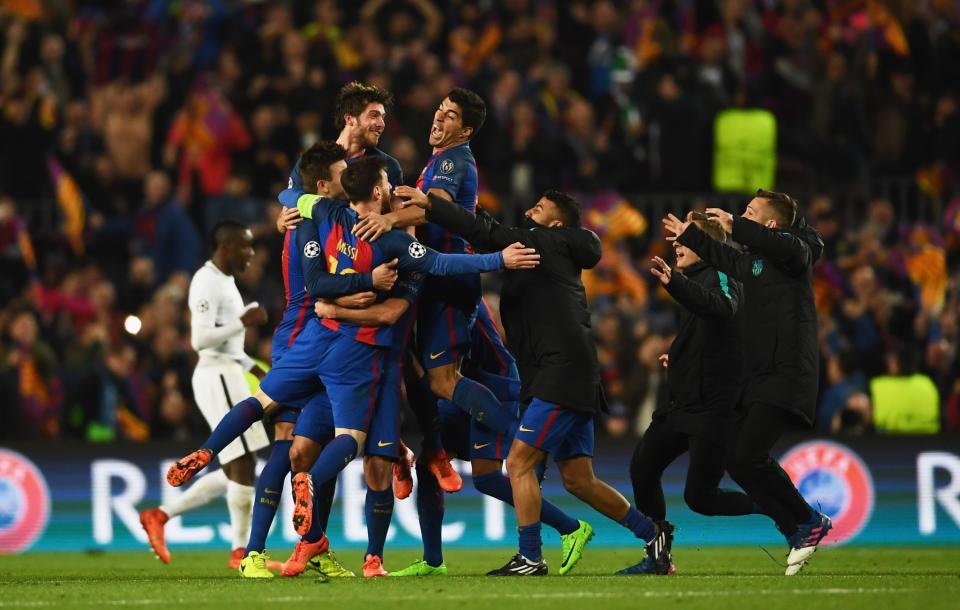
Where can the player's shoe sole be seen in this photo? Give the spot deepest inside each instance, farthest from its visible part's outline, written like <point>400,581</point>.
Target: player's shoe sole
<point>153,521</point>
<point>302,502</point>
<point>302,554</point>
<point>573,545</point>
<point>185,468</point>
<point>421,568</point>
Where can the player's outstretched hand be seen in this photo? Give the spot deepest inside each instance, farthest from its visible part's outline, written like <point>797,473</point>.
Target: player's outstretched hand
<point>372,226</point>
<point>664,360</point>
<point>255,316</point>
<point>662,270</point>
<point>518,256</point>
<point>674,226</point>
<point>412,196</point>
<point>359,300</point>
<point>287,219</point>
<point>724,217</point>
<point>385,275</point>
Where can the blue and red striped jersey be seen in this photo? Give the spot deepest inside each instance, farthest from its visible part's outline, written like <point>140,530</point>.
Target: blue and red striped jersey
<point>297,311</point>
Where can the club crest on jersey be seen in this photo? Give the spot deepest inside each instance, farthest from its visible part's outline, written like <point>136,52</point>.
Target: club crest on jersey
<point>416,249</point>
<point>834,478</point>
<point>757,267</point>
<point>447,166</point>
<point>311,249</point>
<point>24,502</point>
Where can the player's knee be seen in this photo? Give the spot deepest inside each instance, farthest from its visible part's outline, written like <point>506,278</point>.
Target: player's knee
<point>698,500</point>
<point>378,472</point>
<point>576,485</point>
<point>518,465</point>
<point>442,386</point>
<point>299,458</point>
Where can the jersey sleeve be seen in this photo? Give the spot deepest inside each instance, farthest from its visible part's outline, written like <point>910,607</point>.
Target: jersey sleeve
<point>394,172</point>
<point>317,280</point>
<point>414,256</point>
<point>203,301</point>
<point>408,286</point>
<point>450,172</point>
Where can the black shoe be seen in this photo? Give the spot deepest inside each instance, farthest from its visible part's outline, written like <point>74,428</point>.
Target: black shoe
<point>521,566</point>
<point>659,550</point>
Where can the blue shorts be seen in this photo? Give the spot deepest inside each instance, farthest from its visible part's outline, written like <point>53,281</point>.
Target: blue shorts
<point>464,437</point>
<point>315,420</point>
<point>321,358</point>
<point>560,432</point>
<point>286,415</point>
<point>443,333</point>
<point>487,351</point>
<point>383,439</point>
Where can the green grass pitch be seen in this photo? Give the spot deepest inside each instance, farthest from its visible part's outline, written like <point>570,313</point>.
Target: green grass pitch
<point>710,578</point>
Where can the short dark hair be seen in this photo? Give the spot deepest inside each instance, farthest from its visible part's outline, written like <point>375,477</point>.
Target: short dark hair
<point>224,231</point>
<point>784,207</point>
<point>315,163</point>
<point>570,209</point>
<point>361,176</point>
<point>355,97</point>
<point>473,110</point>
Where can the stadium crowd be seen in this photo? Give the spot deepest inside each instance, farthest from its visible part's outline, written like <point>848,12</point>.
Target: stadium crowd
<point>129,129</point>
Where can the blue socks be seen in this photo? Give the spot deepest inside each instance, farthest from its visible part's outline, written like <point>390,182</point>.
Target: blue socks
<point>484,407</point>
<point>506,389</point>
<point>378,510</point>
<point>497,485</point>
<point>335,456</point>
<point>430,512</point>
<point>530,544</point>
<point>267,498</point>
<point>638,523</point>
<point>323,501</point>
<point>243,415</point>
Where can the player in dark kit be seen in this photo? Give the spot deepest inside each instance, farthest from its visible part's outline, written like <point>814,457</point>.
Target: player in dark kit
<point>547,322</point>
<point>704,381</point>
<point>780,352</point>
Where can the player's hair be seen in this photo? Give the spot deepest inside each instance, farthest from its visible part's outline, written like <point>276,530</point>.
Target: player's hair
<point>784,207</point>
<point>473,110</point>
<point>361,176</point>
<point>712,228</point>
<point>355,97</point>
<point>570,209</point>
<point>224,231</point>
<point>315,163</point>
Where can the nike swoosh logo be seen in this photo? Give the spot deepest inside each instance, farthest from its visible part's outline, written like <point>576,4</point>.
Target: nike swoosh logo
<point>383,444</point>
<point>437,355</point>
<point>267,490</point>
<point>522,429</point>
<point>480,446</point>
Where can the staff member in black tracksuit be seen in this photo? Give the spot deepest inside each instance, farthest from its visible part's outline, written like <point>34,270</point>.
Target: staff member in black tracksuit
<point>703,380</point>
<point>547,322</point>
<point>780,352</point>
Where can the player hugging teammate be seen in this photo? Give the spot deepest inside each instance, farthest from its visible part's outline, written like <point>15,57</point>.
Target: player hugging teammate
<point>364,286</point>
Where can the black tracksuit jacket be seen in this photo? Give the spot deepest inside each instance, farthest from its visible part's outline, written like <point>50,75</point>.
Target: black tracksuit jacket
<point>780,349</point>
<point>544,310</point>
<point>704,372</point>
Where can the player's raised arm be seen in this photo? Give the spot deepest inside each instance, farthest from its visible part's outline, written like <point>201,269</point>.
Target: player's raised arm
<point>721,256</point>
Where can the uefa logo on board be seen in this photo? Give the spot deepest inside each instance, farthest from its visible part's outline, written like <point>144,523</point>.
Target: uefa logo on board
<point>834,480</point>
<point>24,502</point>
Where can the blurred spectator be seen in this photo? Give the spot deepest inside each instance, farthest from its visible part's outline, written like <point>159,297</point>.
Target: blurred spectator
<point>165,233</point>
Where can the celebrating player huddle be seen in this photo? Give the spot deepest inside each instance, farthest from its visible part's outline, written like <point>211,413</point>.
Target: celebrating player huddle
<point>383,295</point>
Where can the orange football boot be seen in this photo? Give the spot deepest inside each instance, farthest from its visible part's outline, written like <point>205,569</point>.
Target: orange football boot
<point>153,521</point>
<point>439,465</point>
<point>185,468</point>
<point>302,502</point>
<point>402,479</point>
<point>373,566</point>
<point>302,554</point>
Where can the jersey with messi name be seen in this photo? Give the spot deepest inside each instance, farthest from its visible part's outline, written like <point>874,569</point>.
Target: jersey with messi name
<point>453,170</point>
<point>328,245</point>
